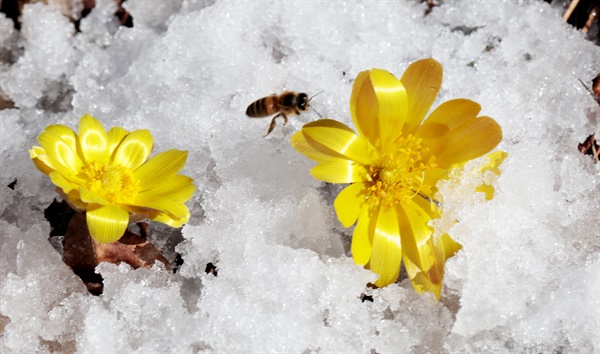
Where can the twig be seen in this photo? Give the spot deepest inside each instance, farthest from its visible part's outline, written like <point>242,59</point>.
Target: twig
<point>572,5</point>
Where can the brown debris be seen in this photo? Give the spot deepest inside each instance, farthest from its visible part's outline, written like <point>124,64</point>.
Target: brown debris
<point>4,320</point>
<point>430,5</point>
<point>83,254</point>
<point>569,11</point>
<point>14,9</point>
<point>211,269</point>
<point>595,90</point>
<point>79,253</point>
<point>364,297</point>
<point>5,102</point>
<point>596,87</point>
<point>131,249</point>
<point>594,13</point>
<point>584,15</point>
<point>124,17</point>
<point>65,6</point>
<point>590,147</point>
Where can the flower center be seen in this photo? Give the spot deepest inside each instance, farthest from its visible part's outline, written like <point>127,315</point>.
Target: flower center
<point>113,182</point>
<point>400,173</point>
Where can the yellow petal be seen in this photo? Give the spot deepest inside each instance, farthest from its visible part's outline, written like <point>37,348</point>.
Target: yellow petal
<point>349,203</point>
<point>387,249</point>
<point>431,177</point>
<point>179,189</point>
<point>61,155</point>
<point>93,140</point>
<point>64,133</point>
<point>362,236</point>
<point>161,167</point>
<point>36,151</point>
<point>134,149</point>
<point>169,220</point>
<point>392,104</point>
<point>88,196</point>
<point>422,81</point>
<point>74,199</point>
<point>162,204</point>
<point>449,246</point>
<point>424,281</point>
<point>316,153</point>
<point>106,223</point>
<point>378,106</point>
<point>443,122</point>
<point>338,137</point>
<point>432,280</point>
<point>414,216</point>
<point>363,107</point>
<point>446,118</point>
<point>339,171</point>
<point>58,151</point>
<point>40,159</point>
<point>469,141</point>
<point>115,135</point>
<point>160,215</point>
<point>139,211</point>
<point>61,182</point>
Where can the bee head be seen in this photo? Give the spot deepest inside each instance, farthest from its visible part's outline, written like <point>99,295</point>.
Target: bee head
<point>303,101</point>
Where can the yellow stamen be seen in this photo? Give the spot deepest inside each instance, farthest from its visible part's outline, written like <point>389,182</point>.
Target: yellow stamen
<point>113,182</point>
<point>399,175</point>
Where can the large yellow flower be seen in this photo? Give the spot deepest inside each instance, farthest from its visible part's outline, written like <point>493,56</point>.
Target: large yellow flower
<point>106,175</point>
<point>393,165</point>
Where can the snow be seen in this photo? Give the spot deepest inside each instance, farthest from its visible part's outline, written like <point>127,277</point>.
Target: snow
<point>526,279</point>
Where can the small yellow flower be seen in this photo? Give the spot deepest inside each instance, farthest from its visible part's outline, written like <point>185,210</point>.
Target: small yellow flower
<point>393,165</point>
<point>107,175</point>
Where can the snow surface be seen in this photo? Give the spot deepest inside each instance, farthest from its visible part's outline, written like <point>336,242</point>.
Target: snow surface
<point>527,278</point>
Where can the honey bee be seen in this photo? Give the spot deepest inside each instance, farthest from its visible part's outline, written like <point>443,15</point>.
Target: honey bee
<point>288,103</point>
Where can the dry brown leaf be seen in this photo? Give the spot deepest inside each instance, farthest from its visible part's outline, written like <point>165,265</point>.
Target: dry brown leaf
<point>83,254</point>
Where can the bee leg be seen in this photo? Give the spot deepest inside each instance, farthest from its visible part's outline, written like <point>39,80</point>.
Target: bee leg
<point>272,125</point>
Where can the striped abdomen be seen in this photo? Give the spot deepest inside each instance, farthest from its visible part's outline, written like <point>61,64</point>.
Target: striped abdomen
<point>263,107</point>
